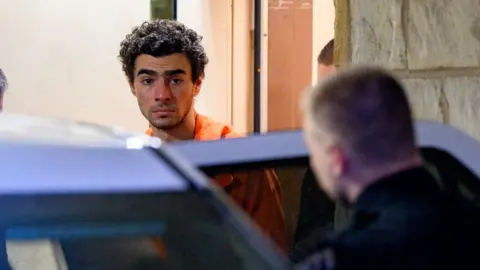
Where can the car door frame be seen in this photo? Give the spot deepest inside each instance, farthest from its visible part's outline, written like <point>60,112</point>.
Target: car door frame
<point>289,147</point>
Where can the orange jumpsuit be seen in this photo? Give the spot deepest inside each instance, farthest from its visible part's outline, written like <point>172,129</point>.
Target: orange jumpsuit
<point>258,192</point>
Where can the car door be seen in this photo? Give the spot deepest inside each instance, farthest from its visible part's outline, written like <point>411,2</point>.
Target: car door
<point>309,213</point>
<point>118,203</point>
<point>285,152</point>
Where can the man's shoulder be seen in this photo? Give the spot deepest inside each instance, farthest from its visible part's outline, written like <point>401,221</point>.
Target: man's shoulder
<point>209,129</point>
<point>398,228</point>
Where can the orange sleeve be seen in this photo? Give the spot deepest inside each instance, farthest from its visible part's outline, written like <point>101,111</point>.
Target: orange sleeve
<point>260,195</point>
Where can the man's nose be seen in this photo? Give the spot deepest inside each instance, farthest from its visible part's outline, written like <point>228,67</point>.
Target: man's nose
<point>162,93</point>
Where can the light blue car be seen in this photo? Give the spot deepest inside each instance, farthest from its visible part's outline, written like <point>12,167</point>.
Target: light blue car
<point>79,196</point>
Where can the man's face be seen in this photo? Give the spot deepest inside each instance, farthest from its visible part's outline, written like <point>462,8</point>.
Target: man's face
<point>325,159</point>
<point>324,70</point>
<point>164,89</point>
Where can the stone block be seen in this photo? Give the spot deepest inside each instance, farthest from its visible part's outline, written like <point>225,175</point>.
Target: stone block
<point>425,97</point>
<point>442,33</point>
<point>377,36</point>
<point>342,33</point>
<point>463,96</point>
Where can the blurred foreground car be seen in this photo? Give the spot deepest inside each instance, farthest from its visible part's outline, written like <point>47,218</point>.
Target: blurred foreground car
<point>84,197</point>
<point>452,156</point>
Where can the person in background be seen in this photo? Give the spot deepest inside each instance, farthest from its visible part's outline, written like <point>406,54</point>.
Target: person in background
<point>325,61</point>
<point>164,62</point>
<point>359,130</point>
<point>3,87</point>
<point>317,211</point>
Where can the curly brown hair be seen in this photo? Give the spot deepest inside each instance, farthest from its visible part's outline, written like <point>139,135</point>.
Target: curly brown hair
<point>162,38</point>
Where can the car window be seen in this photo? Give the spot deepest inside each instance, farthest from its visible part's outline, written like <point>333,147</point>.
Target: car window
<point>198,246</point>
<point>184,232</point>
<point>308,211</point>
<point>452,174</point>
<point>310,215</point>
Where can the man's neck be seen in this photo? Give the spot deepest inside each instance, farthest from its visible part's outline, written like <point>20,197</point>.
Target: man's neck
<point>370,176</point>
<point>184,131</point>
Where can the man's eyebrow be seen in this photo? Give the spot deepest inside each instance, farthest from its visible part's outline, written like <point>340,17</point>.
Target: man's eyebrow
<point>165,73</point>
<point>146,72</point>
<point>174,72</point>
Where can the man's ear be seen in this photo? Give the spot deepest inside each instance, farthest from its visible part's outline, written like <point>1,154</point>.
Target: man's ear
<point>197,85</point>
<point>132,88</point>
<point>338,160</point>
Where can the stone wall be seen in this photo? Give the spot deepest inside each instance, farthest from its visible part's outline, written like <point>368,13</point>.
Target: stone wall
<point>432,45</point>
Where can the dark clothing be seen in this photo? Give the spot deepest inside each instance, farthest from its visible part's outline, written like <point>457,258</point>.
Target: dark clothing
<point>315,219</point>
<point>316,208</point>
<point>404,222</point>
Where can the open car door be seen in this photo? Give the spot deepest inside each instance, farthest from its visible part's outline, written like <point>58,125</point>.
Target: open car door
<point>452,155</point>
<point>91,198</point>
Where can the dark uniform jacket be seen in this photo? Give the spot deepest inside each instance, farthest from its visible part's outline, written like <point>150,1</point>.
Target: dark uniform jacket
<point>315,219</point>
<point>404,222</point>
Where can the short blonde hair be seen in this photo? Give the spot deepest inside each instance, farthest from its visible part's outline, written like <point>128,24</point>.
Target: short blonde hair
<point>366,110</point>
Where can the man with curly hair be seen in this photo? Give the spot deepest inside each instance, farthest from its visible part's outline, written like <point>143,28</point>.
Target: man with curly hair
<point>164,62</point>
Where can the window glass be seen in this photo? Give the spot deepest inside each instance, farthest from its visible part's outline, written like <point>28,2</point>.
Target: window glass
<point>452,175</point>
<point>197,246</point>
<point>308,211</point>
<point>310,215</point>
<point>193,236</point>
<point>162,9</point>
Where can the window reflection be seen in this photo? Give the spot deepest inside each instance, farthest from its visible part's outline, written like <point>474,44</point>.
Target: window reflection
<point>310,215</point>
<point>202,246</point>
<point>163,9</point>
<point>185,232</point>
<point>308,211</point>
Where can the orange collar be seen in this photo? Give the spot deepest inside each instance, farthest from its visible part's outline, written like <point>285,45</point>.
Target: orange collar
<point>207,129</point>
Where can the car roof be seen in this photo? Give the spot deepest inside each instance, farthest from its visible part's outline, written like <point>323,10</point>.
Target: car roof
<point>56,156</point>
<point>101,177</point>
<point>56,131</point>
<point>290,145</point>
<point>39,169</point>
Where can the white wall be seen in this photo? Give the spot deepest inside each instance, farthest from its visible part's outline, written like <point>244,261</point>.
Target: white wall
<point>264,66</point>
<point>60,57</point>
<point>242,72</point>
<point>323,29</point>
<point>213,20</point>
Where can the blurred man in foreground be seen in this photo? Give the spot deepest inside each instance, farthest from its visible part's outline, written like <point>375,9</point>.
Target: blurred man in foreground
<point>3,87</point>
<point>359,129</point>
<point>317,211</point>
<point>164,62</point>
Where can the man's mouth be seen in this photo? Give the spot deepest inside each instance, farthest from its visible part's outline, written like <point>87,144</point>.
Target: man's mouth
<point>165,112</point>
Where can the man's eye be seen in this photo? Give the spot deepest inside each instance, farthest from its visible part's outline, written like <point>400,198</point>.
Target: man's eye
<point>147,81</point>
<point>175,81</point>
